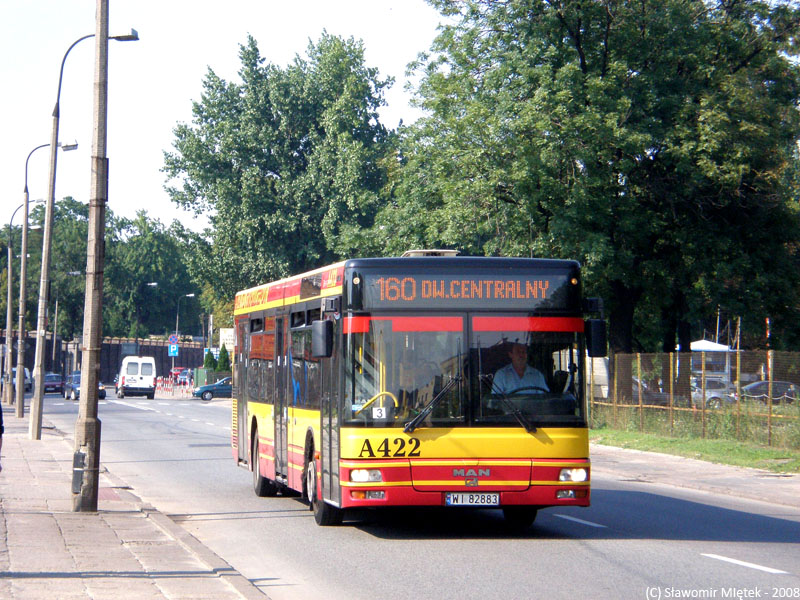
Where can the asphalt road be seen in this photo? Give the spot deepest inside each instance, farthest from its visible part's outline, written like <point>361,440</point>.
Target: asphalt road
<point>638,540</point>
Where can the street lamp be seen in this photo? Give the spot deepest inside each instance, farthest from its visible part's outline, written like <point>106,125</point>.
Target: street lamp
<point>9,345</point>
<point>177,315</point>
<point>23,284</point>
<point>35,429</point>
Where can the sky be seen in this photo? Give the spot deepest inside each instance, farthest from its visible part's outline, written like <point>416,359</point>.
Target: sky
<point>153,82</point>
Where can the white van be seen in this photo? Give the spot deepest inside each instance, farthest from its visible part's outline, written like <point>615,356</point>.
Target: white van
<point>137,377</point>
<point>28,382</point>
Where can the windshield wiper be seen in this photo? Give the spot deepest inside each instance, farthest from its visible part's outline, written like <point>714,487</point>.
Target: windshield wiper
<point>412,424</point>
<point>518,414</point>
<point>514,411</point>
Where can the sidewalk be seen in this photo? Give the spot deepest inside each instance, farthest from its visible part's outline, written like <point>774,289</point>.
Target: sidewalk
<point>126,550</point>
<point>651,467</point>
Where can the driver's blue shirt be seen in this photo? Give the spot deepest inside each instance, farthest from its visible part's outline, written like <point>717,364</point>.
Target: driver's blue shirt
<point>506,380</point>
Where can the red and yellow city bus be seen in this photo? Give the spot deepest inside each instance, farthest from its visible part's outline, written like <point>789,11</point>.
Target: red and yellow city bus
<point>379,382</point>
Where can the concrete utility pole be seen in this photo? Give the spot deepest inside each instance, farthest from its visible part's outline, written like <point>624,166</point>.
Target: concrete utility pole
<point>23,290</point>
<point>87,429</point>
<point>86,461</point>
<point>9,344</point>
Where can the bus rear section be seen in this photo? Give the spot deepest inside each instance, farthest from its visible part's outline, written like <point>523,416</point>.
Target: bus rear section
<point>442,382</point>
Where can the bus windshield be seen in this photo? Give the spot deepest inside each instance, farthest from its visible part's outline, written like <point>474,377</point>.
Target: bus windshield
<point>527,369</point>
<point>500,370</point>
<point>396,365</point>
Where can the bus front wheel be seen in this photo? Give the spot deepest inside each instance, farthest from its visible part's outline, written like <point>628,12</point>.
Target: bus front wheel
<point>324,513</point>
<point>519,517</point>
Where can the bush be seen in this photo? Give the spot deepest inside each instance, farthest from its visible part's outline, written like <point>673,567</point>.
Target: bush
<point>224,362</point>
<point>210,362</point>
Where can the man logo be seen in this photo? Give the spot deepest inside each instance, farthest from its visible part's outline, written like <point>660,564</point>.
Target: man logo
<point>472,473</point>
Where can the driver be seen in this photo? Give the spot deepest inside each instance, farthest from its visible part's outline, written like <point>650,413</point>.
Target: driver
<point>518,374</point>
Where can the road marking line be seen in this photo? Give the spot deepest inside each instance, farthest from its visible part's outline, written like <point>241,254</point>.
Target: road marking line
<point>132,405</point>
<point>163,403</point>
<point>741,563</point>
<point>212,424</point>
<point>581,521</point>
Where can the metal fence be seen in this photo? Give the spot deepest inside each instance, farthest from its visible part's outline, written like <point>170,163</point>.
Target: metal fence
<point>750,396</point>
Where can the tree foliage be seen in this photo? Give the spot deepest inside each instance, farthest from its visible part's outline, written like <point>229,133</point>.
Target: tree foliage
<point>286,162</point>
<point>650,140</point>
<point>224,361</point>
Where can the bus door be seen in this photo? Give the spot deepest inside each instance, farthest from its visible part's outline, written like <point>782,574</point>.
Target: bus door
<point>242,436</point>
<point>282,397</point>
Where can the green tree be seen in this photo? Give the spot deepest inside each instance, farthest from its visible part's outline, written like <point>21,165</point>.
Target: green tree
<point>209,362</point>
<point>650,140</point>
<point>146,275</point>
<point>286,163</point>
<point>224,361</point>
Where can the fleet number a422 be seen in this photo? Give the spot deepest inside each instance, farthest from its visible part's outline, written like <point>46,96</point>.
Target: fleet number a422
<point>396,447</point>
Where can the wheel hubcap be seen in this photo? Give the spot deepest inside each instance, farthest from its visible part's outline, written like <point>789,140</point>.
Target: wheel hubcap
<point>311,480</point>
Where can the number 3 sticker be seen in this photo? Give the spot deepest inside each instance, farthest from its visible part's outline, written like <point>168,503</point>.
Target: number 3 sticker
<point>378,412</point>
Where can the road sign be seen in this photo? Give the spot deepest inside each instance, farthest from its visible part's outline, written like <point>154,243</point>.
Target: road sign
<point>173,338</point>
<point>173,350</point>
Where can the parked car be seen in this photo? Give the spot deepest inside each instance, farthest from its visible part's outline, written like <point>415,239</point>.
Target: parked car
<point>28,380</point>
<point>718,392</point>
<point>72,387</point>
<point>53,382</point>
<point>655,397</point>
<point>185,377</point>
<point>782,392</point>
<point>220,389</point>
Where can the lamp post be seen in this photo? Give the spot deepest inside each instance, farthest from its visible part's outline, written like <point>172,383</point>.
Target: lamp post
<point>177,315</point>
<point>23,284</point>
<point>87,428</point>
<point>8,347</point>
<point>35,430</point>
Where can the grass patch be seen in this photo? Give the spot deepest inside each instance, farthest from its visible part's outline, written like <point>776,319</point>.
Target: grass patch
<point>726,452</point>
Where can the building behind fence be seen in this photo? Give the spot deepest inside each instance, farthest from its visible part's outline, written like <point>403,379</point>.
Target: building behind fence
<point>751,396</point>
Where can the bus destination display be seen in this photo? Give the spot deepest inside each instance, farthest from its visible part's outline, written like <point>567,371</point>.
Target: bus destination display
<point>423,290</point>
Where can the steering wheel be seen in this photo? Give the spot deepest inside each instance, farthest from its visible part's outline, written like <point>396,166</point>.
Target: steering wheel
<point>529,387</point>
<point>375,397</point>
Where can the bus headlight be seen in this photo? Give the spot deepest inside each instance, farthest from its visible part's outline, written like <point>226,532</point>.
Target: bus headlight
<point>575,475</point>
<point>365,475</point>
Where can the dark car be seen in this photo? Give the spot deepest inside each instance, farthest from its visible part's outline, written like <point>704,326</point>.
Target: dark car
<point>53,383</point>
<point>185,377</point>
<point>220,389</point>
<point>782,392</point>
<point>72,387</point>
<point>655,397</point>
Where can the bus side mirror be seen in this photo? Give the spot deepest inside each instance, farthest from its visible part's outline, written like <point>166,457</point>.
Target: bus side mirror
<point>322,339</point>
<point>595,337</point>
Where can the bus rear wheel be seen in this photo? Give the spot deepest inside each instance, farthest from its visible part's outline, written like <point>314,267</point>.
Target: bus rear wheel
<point>519,517</point>
<point>262,486</point>
<point>324,513</point>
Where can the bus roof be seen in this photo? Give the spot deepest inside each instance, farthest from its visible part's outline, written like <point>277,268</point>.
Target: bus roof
<point>328,281</point>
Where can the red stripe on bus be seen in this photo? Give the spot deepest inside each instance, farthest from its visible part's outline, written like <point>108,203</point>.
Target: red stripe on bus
<point>361,324</point>
<point>527,324</point>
